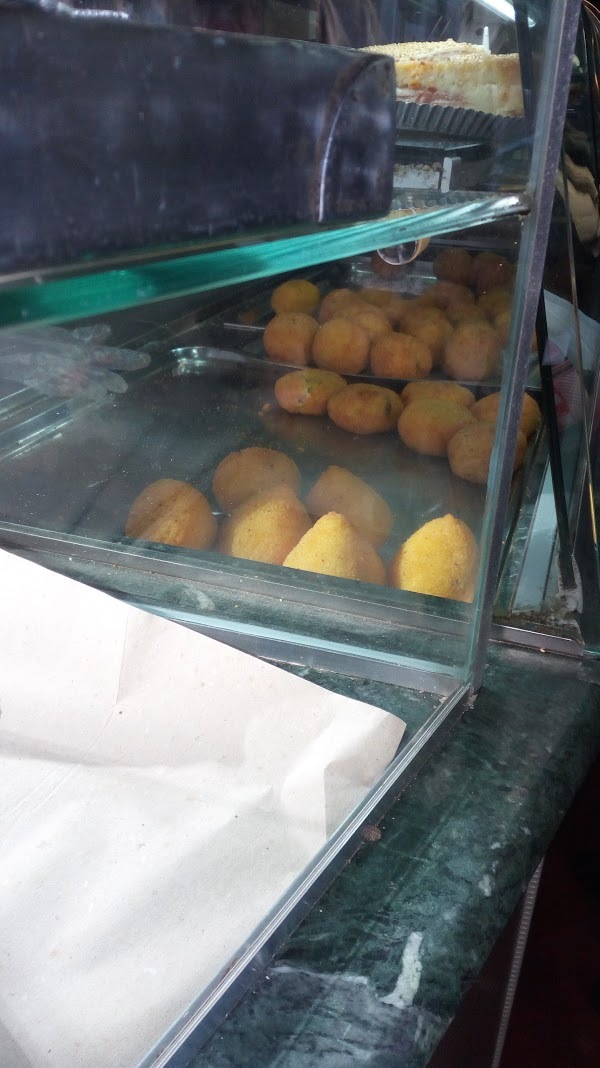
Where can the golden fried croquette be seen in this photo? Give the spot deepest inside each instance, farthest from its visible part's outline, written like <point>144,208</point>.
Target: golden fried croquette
<point>486,410</point>
<point>395,310</point>
<point>241,475</point>
<point>365,409</point>
<point>491,271</point>
<point>441,390</point>
<point>288,338</point>
<point>372,320</point>
<point>338,490</point>
<point>307,392</point>
<point>454,265</point>
<point>341,345</point>
<point>400,356</point>
<point>295,295</point>
<point>442,294</point>
<point>496,300</point>
<point>334,547</point>
<point>439,559</point>
<point>426,426</point>
<point>378,297</point>
<point>430,326</point>
<point>334,301</point>
<point>465,312</point>
<point>266,527</point>
<point>472,352</point>
<point>174,513</point>
<point>502,323</point>
<point>470,450</point>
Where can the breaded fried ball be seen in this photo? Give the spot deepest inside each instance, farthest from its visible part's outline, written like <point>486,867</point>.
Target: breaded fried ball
<point>365,409</point>
<point>502,323</point>
<point>395,310</point>
<point>400,356</point>
<point>241,475</point>
<point>380,298</point>
<point>334,547</point>
<point>173,513</point>
<point>266,527</point>
<point>307,392</point>
<point>372,320</point>
<point>431,327</point>
<point>442,294</point>
<point>472,352</point>
<point>426,426</point>
<point>470,450</point>
<point>334,301</point>
<point>432,389</point>
<point>439,559</point>
<point>486,410</point>
<point>295,295</point>
<point>465,312</point>
<point>288,338</point>
<point>341,345</point>
<point>454,265</point>
<point>491,271</point>
<point>496,300</point>
<point>338,490</point>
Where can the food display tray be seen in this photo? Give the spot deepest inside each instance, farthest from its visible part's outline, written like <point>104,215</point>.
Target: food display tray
<point>452,123</point>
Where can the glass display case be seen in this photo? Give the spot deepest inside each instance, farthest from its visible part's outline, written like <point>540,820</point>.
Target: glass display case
<point>328,428</point>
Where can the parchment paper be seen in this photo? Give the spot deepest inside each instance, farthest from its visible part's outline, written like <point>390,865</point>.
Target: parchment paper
<point>158,793</point>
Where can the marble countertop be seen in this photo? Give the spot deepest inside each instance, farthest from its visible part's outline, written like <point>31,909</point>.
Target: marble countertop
<point>380,965</point>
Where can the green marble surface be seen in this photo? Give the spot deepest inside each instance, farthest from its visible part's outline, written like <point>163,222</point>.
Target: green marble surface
<point>379,967</point>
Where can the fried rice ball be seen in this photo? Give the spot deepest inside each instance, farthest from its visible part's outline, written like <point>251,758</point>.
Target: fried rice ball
<point>400,356</point>
<point>432,389</point>
<point>496,300</point>
<point>266,527</point>
<point>334,547</point>
<point>431,327</point>
<point>173,513</point>
<point>439,559</point>
<point>295,295</point>
<point>502,323</point>
<point>365,409</point>
<point>486,410</point>
<point>341,345</point>
<point>395,310</point>
<point>470,450</point>
<point>426,426</point>
<point>472,352</point>
<point>455,265</point>
<point>373,321</point>
<point>378,297</point>
<point>288,338</point>
<point>491,271</point>
<point>307,392</point>
<point>338,490</point>
<point>465,312</point>
<point>442,294</point>
<point>334,301</point>
<point>241,475</point>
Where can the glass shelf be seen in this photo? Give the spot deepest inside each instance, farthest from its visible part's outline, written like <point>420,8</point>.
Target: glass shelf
<point>51,299</point>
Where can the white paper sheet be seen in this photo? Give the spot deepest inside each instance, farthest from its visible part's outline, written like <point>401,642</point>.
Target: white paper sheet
<point>158,792</point>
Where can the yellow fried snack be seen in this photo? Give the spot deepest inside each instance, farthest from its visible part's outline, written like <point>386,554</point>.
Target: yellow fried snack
<point>454,265</point>
<point>439,559</point>
<point>334,547</point>
<point>174,513</point>
<point>502,326</point>
<point>442,294</point>
<point>380,298</point>
<point>338,490</point>
<point>433,329</point>
<point>472,352</point>
<point>496,300</point>
<point>296,295</point>
<point>365,409</point>
<point>288,338</point>
<point>334,301</point>
<point>395,310</point>
<point>465,312</point>
<point>265,528</point>
<point>426,426</point>
<point>341,345</point>
<point>470,450</point>
<point>242,474</point>
<point>372,320</point>
<point>491,271</point>
<point>486,410</point>
<point>432,389</point>
<point>400,356</point>
<point>307,392</point>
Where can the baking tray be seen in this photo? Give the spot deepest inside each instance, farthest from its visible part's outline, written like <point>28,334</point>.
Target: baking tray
<point>452,123</point>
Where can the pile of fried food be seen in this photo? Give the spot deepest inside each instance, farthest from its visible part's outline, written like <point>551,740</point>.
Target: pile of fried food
<point>339,529</point>
<point>458,324</point>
